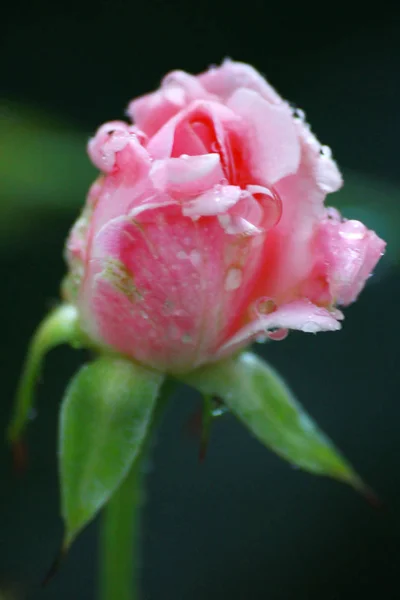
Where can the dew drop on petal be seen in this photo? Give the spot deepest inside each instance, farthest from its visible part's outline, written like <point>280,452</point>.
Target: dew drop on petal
<point>352,230</point>
<point>195,258</point>
<point>333,214</point>
<point>326,152</point>
<point>233,279</point>
<point>265,306</point>
<point>278,334</point>
<point>298,114</point>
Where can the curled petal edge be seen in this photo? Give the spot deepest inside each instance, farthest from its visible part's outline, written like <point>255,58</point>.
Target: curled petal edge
<point>302,315</point>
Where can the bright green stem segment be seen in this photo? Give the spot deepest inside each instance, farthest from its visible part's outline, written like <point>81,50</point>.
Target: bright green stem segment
<point>120,532</point>
<point>120,537</point>
<point>59,327</point>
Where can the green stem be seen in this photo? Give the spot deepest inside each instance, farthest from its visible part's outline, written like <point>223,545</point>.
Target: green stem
<point>119,572</point>
<point>120,533</point>
<point>58,327</point>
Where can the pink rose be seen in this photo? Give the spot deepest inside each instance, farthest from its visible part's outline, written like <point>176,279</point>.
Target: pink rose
<point>207,227</point>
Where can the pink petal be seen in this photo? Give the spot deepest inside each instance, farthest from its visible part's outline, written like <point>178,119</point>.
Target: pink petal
<point>273,146</point>
<point>118,145</point>
<point>201,129</point>
<point>323,169</point>
<point>163,288</point>
<point>350,252</point>
<point>186,176</point>
<point>290,246</point>
<point>223,81</point>
<point>217,200</point>
<point>257,210</point>
<point>299,314</point>
<point>152,111</point>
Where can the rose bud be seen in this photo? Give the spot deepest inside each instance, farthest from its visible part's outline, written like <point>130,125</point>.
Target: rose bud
<point>207,227</point>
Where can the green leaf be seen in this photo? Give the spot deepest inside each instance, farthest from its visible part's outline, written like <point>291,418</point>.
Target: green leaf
<point>59,327</point>
<point>104,419</point>
<point>261,400</point>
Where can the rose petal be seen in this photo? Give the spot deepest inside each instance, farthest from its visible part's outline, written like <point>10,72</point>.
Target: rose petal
<point>152,111</point>
<point>116,144</point>
<point>216,201</point>
<point>186,176</point>
<point>201,129</point>
<point>349,252</point>
<point>290,246</point>
<point>319,159</point>
<point>274,149</point>
<point>162,288</point>
<point>231,76</point>
<point>299,314</point>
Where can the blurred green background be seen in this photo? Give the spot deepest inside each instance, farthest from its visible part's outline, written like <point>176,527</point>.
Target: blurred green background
<point>244,525</point>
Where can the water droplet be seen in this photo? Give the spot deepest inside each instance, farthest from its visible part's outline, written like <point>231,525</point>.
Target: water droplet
<point>233,279</point>
<point>333,214</point>
<point>325,151</point>
<point>352,230</point>
<point>298,113</point>
<point>278,335</point>
<point>186,338</point>
<point>218,408</point>
<point>184,156</point>
<point>219,411</point>
<point>265,306</point>
<point>195,258</point>
<point>181,254</point>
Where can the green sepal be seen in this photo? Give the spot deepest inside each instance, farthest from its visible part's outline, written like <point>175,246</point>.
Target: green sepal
<point>59,327</point>
<point>104,420</point>
<point>256,394</point>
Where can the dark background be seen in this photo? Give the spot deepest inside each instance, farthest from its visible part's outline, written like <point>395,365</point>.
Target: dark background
<point>244,525</point>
